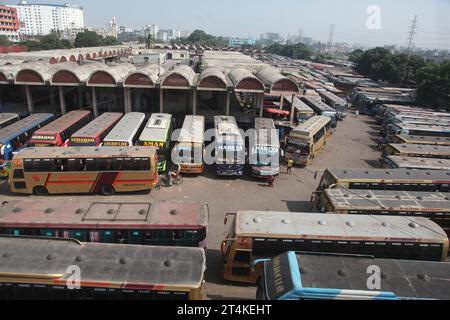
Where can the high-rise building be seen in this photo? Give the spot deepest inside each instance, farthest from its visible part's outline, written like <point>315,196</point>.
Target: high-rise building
<point>42,19</point>
<point>9,23</point>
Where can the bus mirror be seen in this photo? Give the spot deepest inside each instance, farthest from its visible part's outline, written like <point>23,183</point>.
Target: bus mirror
<point>225,220</point>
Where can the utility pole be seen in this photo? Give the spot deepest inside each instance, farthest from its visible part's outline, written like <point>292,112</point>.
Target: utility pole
<point>411,34</point>
<point>410,46</point>
<point>330,41</point>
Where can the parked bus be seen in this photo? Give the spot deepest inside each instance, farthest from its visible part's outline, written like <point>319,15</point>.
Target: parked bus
<point>306,141</point>
<point>41,268</point>
<point>58,132</point>
<point>397,162</point>
<point>338,104</point>
<point>433,205</point>
<point>416,119</point>
<point>7,119</point>
<point>438,141</point>
<point>158,133</point>
<point>262,234</point>
<point>143,223</point>
<point>126,131</point>
<point>300,276</point>
<point>421,150</point>
<point>104,170</point>
<point>265,149</point>
<point>18,134</point>
<point>93,133</point>
<point>385,179</point>
<point>302,111</point>
<point>417,130</point>
<point>189,147</point>
<point>321,109</point>
<point>229,147</point>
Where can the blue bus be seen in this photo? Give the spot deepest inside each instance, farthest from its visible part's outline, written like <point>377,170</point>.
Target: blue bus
<point>302,276</point>
<point>16,135</point>
<point>229,147</point>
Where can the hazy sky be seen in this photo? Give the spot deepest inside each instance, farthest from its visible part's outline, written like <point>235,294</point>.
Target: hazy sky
<point>251,18</point>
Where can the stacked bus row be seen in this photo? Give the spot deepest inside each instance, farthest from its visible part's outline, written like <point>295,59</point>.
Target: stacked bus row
<point>362,211</point>
<point>414,138</point>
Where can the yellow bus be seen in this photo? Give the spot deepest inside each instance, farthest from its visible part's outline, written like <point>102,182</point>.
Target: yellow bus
<point>103,170</point>
<point>255,235</point>
<point>43,269</point>
<point>307,140</point>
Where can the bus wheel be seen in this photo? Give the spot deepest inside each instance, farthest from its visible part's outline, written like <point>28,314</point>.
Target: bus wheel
<point>107,190</point>
<point>40,191</point>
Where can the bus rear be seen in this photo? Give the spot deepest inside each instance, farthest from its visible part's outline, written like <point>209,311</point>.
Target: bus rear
<point>229,147</point>
<point>264,149</point>
<point>93,133</point>
<point>58,132</point>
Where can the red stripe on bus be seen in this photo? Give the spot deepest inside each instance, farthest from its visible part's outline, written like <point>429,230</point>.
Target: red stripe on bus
<point>72,182</point>
<point>48,178</point>
<point>104,179</point>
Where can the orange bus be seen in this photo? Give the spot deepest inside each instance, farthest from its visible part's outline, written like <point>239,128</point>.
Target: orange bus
<point>93,133</point>
<point>58,132</point>
<point>103,170</point>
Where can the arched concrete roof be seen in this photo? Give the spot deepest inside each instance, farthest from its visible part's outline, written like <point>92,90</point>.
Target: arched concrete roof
<point>182,77</point>
<point>245,81</point>
<point>110,75</point>
<point>8,73</point>
<point>212,79</point>
<point>276,81</point>
<point>145,77</point>
<point>34,73</point>
<point>72,74</point>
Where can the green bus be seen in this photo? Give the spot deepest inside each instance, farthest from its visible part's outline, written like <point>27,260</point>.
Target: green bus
<point>157,133</point>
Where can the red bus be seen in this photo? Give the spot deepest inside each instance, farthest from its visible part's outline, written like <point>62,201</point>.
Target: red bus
<point>92,135</point>
<point>58,132</point>
<point>142,223</point>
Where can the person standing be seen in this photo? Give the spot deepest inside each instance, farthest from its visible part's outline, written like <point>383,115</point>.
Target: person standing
<point>290,164</point>
<point>270,181</point>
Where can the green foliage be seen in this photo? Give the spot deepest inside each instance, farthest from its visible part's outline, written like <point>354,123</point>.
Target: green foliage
<point>51,41</point>
<point>295,51</point>
<point>88,39</point>
<point>200,37</point>
<point>381,64</point>
<point>434,85</point>
<point>356,56</point>
<point>4,41</point>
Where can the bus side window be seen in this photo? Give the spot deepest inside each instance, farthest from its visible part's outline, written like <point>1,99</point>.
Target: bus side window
<point>242,255</point>
<point>91,165</point>
<point>101,164</point>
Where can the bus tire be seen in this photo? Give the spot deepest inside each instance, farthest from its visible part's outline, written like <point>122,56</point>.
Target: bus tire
<point>40,191</point>
<point>107,190</point>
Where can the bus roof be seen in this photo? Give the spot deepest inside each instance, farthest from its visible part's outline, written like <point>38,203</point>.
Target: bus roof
<point>17,128</point>
<point>336,226</point>
<point>422,149</point>
<point>356,199</point>
<point>422,127</point>
<point>315,275</point>
<point>301,106</point>
<point>311,126</point>
<point>227,129</point>
<point>157,128</point>
<point>85,152</point>
<point>332,97</point>
<point>4,117</point>
<point>62,123</point>
<point>98,125</point>
<point>419,163</point>
<point>110,265</point>
<point>423,139</point>
<point>126,128</point>
<point>389,175</point>
<point>193,130</point>
<point>86,214</point>
<point>266,134</point>
<point>319,104</point>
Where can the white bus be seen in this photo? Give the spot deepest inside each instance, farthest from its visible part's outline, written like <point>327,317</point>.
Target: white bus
<point>189,145</point>
<point>125,133</point>
<point>229,147</point>
<point>265,149</point>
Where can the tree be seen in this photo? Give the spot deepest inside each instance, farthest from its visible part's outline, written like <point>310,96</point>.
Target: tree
<point>434,85</point>
<point>296,51</point>
<point>88,39</point>
<point>356,56</point>
<point>4,41</point>
<point>110,41</point>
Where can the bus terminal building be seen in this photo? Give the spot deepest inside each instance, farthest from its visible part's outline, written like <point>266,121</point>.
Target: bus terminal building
<point>96,79</point>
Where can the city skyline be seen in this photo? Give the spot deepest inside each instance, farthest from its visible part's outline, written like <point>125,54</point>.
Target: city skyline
<point>254,18</point>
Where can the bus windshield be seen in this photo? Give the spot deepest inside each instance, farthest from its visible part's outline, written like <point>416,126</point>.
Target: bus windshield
<point>298,147</point>
<point>265,153</point>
